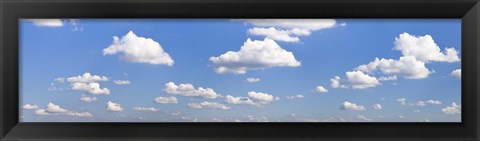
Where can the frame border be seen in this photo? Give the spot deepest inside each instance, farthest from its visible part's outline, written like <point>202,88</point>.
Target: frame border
<point>12,10</point>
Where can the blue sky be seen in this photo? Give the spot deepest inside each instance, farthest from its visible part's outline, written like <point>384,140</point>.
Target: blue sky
<point>317,70</point>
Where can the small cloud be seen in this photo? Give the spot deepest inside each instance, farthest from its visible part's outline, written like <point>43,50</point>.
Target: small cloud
<point>402,101</point>
<point>30,107</point>
<point>145,109</point>
<point>457,73</point>
<point>298,96</point>
<point>88,99</point>
<point>320,89</point>
<point>253,80</point>
<point>205,104</point>
<point>166,100</point>
<point>454,109</point>
<point>377,107</point>
<point>351,106</point>
<point>121,82</point>
<point>189,90</point>
<point>115,107</point>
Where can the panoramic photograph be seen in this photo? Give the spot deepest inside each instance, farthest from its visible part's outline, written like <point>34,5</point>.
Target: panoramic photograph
<point>240,70</point>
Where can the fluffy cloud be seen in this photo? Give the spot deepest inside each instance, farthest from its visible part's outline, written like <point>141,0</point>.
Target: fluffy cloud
<point>408,66</point>
<point>115,107</point>
<point>430,101</point>
<point>121,82</point>
<point>453,109</point>
<point>86,78</point>
<point>424,49</point>
<point>93,88</point>
<point>253,80</point>
<point>320,89</point>
<point>262,97</point>
<point>47,22</point>
<point>53,109</point>
<point>280,35</point>
<point>189,90</point>
<point>205,104</point>
<point>377,107</point>
<point>89,83</point>
<point>457,73</point>
<point>145,109</point>
<point>402,101</point>
<point>30,107</point>
<point>139,50</point>
<point>351,106</point>
<point>254,55</point>
<point>239,100</point>
<point>298,96</point>
<point>355,80</point>
<point>166,100</point>
<point>88,99</point>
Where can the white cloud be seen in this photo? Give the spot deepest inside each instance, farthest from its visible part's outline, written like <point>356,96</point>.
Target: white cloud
<point>453,109</point>
<point>86,78</point>
<point>335,82</point>
<point>377,107</point>
<point>258,96</point>
<point>360,80</point>
<point>253,80</point>
<point>30,107</point>
<point>166,100</point>
<point>88,99</point>
<point>114,107</point>
<point>145,109</point>
<point>89,83</point>
<point>408,66</point>
<point>435,102</point>
<point>310,24</point>
<point>457,73</point>
<point>59,79</point>
<point>47,22</point>
<point>55,108</point>
<point>298,96</point>
<point>321,89</point>
<point>138,49</point>
<point>388,78</point>
<point>205,104</point>
<point>121,82</point>
<point>254,55</point>
<point>93,88</point>
<point>402,101</point>
<point>189,90</point>
<point>351,106</point>
<point>280,35</point>
<point>424,49</point>
<point>239,100</point>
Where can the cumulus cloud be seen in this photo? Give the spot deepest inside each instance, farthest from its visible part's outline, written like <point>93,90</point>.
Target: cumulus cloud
<point>355,80</point>
<point>377,107</point>
<point>139,50</point>
<point>424,49</point>
<point>320,89</point>
<point>205,104</point>
<point>457,73</point>
<point>254,55</point>
<point>47,22</point>
<point>408,66</point>
<point>121,82</point>
<point>253,80</point>
<point>298,96</point>
<point>89,83</point>
<point>280,35</point>
<point>190,90</point>
<point>145,109</point>
<point>53,109</point>
<point>166,100</point>
<point>454,109</point>
<point>259,96</point>
<point>88,99</point>
<point>402,101</point>
<point>30,107</point>
<point>115,107</point>
<point>254,98</point>
<point>351,106</point>
<point>430,101</point>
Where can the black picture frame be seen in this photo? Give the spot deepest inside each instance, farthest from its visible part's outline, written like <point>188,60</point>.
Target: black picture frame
<point>13,10</point>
